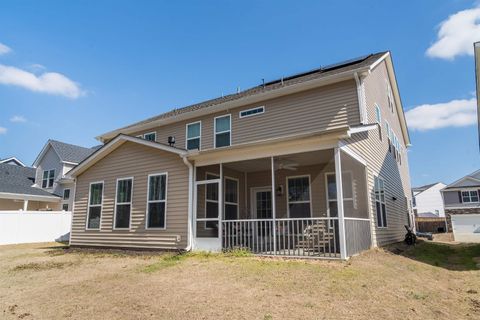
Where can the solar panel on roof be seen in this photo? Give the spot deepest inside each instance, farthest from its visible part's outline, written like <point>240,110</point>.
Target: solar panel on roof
<point>344,63</point>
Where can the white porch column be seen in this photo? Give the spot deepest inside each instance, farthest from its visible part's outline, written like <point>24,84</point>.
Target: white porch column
<point>220,204</point>
<point>341,216</point>
<point>25,205</point>
<point>274,211</point>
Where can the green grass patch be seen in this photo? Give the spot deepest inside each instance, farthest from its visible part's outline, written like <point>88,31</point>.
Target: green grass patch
<point>453,257</point>
<point>164,262</point>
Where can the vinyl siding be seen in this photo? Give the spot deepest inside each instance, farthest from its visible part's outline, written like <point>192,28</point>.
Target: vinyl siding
<point>326,107</point>
<point>380,162</point>
<point>137,161</point>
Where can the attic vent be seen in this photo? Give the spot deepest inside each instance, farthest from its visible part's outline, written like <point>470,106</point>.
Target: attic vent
<point>252,112</point>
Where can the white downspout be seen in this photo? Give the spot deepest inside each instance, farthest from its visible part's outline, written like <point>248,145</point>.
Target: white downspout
<point>190,204</point>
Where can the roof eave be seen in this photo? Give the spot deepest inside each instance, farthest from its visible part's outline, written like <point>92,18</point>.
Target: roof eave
<point>346,75</point>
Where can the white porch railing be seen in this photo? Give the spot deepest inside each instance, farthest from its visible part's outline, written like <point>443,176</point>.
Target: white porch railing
<point>294,237</point>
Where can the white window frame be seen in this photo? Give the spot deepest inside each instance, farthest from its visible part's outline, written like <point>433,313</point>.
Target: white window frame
<point>470,196</point>
<point>122,203</point>
<point>48,186</point>
<point>309,193</point>
<point>199,136</point>
<point>213,201</point>
<point>384,224</point>
<point>148,133</point>
<point>215,130</point>
<point>147,211</point>
<point>95,205</point>
<point>225,193</point>
<point>251,115</point>
<point>69,193</point>
<point>378,114</point>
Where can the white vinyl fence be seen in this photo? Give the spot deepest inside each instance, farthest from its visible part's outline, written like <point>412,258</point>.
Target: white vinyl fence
<point>34,226</point>
<point>466,227</point>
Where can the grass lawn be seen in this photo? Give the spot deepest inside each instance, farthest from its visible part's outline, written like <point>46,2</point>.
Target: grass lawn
<point>47,281</point>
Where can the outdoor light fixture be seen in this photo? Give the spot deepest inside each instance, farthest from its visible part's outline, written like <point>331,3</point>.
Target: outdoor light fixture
<point>280,190</point>
<point>394,198</point>
<point>171,141</point>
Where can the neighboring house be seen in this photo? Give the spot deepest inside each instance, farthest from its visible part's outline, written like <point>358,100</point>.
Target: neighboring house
<point>428,201</point>
<point>462,197</point>
<point>46,186</point>
<point>313,164</point>
<point>52,165</point>
<point>14,161</point>
<point>17,191</point>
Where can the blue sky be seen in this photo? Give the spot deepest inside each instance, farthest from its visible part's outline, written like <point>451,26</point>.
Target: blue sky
<point>73,70</point>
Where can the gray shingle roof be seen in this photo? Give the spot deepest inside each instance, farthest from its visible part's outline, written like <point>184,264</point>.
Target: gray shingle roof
<point>16,179</point>
<point>70,152</point>
<point>425,187</point>
<point>326,71</point>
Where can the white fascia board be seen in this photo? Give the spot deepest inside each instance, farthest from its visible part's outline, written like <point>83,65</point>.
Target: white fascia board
<point>19,196</point>
<point>114,144</point>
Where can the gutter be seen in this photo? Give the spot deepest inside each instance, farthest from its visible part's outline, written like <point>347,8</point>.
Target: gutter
<point>190,204</point>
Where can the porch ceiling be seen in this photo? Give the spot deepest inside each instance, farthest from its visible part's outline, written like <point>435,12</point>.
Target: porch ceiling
<point>297,159</point>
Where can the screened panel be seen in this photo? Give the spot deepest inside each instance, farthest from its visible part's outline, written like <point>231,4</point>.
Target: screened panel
<point>354,187</point>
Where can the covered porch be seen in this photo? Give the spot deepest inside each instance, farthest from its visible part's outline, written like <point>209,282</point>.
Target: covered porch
<point>303,204</point>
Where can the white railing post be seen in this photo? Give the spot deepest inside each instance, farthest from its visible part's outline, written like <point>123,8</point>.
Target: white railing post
<point>341,215</point>
<point>220,202</point>
<point>274,213</point>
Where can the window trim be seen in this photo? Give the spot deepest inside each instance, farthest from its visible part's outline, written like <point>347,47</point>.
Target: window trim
<point>95,205</point>
<point>154,133</point>
<point>385,225</point>
<point>309,193</point>
<point>147,211</point>
<point>378,115</point>
<point>69,192</point>
<point>224,196</point>
<point>199,136</point>
<point>122,203</point>
<point>251,115</point>
<point>215,131</point>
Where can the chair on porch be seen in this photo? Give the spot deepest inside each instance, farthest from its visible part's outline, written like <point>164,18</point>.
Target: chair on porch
<point>316,237</point>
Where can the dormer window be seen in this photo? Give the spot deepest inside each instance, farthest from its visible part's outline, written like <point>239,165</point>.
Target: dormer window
<point>48,178</point>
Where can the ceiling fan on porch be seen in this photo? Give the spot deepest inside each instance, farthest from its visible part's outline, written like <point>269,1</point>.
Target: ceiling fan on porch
<point>286,164</point>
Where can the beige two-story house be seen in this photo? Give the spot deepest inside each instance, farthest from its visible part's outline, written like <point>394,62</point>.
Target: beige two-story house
<point>314,165</point>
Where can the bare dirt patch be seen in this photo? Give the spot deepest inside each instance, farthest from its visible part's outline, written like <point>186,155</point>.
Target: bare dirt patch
<point>96,284</point>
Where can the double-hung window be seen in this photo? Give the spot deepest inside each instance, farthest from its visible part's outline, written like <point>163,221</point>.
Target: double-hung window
<point>95,197</point>
<point>231,199</point>
<point>298,197</point>
<point>194,131</point>
<point>123,203</point>
<point>223,131</point>
<point>470,196</point>
<point>151,136</point>
<point>66,194</point>
<point>157,201</point>
<point>380,207</point>
<point>48,178</point>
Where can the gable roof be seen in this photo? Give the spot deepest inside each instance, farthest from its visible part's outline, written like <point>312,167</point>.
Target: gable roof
<point>295,83</point>
<point>113,144</point>
<point>470,180</point>
<point>68,153</point>
<point>425,187</point>
<point>19,180</point>
<point>14,160</point>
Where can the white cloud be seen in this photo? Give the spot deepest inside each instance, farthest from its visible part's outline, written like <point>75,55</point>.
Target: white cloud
<point>4,49</point>
<point>456,35</point>
<point>3,130</point>
<point>48,82</point>
<point>455,113</point>
<point>18,119</point>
